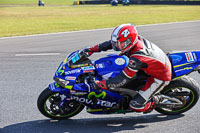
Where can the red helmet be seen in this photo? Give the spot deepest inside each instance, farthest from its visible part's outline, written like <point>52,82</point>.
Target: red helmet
<point>124,37</point>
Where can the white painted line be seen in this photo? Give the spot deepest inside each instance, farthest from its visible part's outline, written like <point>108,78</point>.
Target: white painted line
<point>167,23</point>
<point>39,54</point>
<point>68,32</point>
<point>46,54</point>
<point>57,33</point>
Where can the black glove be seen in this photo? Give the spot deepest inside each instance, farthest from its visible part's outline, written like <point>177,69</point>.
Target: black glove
<point>86,52</point>
<point>95,86</point>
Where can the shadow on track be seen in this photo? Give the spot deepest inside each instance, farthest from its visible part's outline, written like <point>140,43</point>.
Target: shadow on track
<point>87,125</point>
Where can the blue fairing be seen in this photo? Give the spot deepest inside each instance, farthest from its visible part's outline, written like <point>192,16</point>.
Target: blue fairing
<point>184,62</point>
<point>111,65</point>
<point>55,88</point>
<point>81,91</point>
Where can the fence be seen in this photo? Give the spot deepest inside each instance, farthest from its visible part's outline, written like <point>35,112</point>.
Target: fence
<point>153,2</point>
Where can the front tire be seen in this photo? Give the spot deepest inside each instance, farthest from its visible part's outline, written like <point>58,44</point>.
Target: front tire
<point>48,104</point>
<point>185,84</point>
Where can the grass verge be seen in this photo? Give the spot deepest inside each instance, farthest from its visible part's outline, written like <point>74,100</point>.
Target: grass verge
<point>15,21</point>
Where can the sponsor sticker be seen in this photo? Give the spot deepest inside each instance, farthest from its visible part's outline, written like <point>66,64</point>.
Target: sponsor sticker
<point>89,101</point>
<point>120,61</point>
<point>80,65</point>
<point>70,78</point>
<point>72,91</point>
<point>187,68</point>
<point>189,56</point>
<point>87,71</point>
<point>100,65</point>
<point>75,58</point>
<point>87,68</point>
<point>73,71</point>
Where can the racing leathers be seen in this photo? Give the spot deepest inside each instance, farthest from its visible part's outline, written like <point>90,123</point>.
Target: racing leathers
<point>144,56</point>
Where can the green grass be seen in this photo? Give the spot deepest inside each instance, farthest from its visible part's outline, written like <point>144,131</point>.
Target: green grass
<point>16,21</point>
<point>34,2</point>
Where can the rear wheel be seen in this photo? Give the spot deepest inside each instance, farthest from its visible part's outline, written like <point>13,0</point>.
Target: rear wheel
<point>49,105</point>
<point>185,90</point>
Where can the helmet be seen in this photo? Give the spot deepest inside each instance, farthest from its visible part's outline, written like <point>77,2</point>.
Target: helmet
<point>124,37</point>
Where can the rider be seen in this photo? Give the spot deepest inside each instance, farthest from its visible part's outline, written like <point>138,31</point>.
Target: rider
<point>143,55</point>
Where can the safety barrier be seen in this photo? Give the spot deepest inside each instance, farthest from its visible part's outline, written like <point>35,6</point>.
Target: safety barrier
<point>153,2</point>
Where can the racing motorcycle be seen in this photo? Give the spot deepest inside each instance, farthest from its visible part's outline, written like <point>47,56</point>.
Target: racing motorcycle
<point>72,89</point>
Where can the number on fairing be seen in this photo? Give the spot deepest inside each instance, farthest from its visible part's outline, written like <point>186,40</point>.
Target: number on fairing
<point>125,33</point>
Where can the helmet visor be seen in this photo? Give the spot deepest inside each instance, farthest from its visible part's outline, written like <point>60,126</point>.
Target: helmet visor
<point>115,46</point>
<point>121,45</point>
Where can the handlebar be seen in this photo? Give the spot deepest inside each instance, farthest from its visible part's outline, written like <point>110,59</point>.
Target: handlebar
<point>77,56</point>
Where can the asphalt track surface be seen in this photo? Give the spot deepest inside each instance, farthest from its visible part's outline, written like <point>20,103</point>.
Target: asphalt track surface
<point>27,65</point>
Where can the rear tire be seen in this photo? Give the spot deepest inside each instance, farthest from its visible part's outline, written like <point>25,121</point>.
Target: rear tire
<point>48,104</point>
<point>185,83</point>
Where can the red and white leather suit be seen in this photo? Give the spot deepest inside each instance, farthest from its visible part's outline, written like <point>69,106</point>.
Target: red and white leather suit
<point>144,56</point>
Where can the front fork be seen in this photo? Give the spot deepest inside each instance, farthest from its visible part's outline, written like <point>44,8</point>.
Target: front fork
<point>64,98</point>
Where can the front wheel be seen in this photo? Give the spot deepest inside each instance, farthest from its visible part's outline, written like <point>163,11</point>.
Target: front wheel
<point>185,90</point>
<point>49,105</point>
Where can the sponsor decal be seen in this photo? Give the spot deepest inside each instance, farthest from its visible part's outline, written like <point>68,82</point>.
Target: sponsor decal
<point>70,78</point>
<point>87,68</point>
<point>99,65</point>
<point>189,56</point>
<point>132,64</point>
<point>56,84</point>
<point>120,61</point>
<point>125,33</point>
<point>74,92</point>
<point>80,65</point>
<point>52,86</point>
<point>89,101</point>
<point>87,71</point>
<point>73,71</point>
<point>187,68</point>
<point>68,99</point>
<point>60,71</point>
<point>117,85</point>
<point>75,58</point>
<point>102,94</point>
<point>195,57</point>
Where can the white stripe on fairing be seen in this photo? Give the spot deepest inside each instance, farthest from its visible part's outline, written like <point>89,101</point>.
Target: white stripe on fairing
<point>38,54</point>
<point>69,32</point>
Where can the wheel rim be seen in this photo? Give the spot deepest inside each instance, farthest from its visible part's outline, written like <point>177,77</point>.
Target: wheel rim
<point>186,100</point>
<point>51,106</point>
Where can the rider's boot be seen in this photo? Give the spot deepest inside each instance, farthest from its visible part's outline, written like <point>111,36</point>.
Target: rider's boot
<point>139,104</point>
<point>145,100</point>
